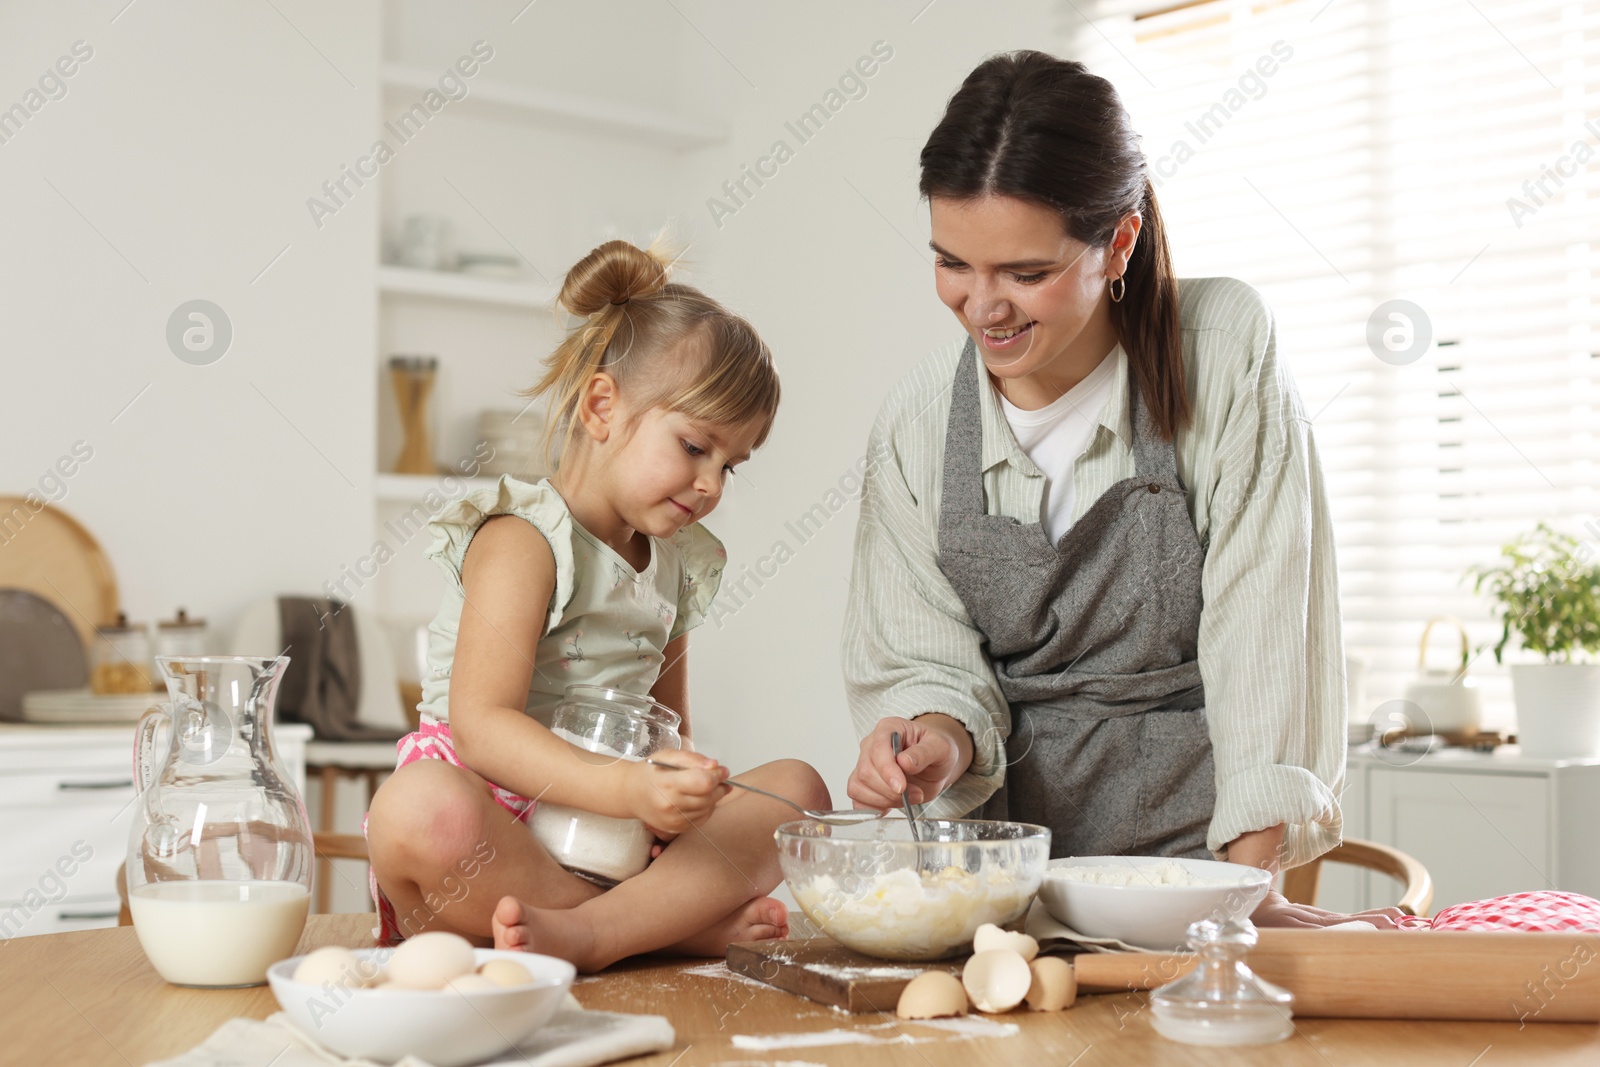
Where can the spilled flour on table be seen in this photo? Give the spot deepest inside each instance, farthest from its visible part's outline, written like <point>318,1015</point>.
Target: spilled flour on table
<point>964,1029</point>
<point>721,970</point>
<point>970,1026</point>
<point>858,974</point>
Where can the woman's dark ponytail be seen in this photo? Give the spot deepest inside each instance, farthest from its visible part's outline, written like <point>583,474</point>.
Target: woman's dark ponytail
<point>1146,321</point>
<point>1029,125</point>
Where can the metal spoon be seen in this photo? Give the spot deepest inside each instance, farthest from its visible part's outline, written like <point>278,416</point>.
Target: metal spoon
<point>830,818</point>
<point>894,744</point>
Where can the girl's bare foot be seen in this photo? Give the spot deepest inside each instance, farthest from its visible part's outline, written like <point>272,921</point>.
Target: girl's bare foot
<point>521,927</point>
<point>754,920</point>
<point>566,933</point>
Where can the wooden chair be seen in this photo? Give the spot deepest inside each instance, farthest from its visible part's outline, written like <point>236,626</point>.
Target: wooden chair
<point>369,762</point>
<point>1300,883</point>
<point>326,846</point>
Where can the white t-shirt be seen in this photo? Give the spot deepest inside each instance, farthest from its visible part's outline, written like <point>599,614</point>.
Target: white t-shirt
<point>1056,435</point>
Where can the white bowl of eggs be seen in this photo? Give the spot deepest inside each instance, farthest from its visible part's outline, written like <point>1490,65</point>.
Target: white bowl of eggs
<point>435,997</point>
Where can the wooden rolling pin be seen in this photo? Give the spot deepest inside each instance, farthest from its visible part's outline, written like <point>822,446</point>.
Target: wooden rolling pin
<point>1504,976</point>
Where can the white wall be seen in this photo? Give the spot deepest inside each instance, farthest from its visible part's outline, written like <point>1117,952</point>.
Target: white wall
<point>176,167</point>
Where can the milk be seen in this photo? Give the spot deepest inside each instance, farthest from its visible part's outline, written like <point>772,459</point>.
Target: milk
<point>579,840</point>
<point>595,844</point>
<point>216,933</point>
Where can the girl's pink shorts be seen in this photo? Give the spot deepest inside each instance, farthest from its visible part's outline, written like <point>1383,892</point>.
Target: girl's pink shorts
<point>431,740</point>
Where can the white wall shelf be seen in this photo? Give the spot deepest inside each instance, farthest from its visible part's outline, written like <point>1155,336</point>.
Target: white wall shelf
<point>443,285</point>
<point>544,105</point>
<point>410,488</point>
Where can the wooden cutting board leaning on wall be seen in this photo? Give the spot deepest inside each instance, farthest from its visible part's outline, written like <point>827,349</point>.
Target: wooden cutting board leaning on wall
<point>49,553</point>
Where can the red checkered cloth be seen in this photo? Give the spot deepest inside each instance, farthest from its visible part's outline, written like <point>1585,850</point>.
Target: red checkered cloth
<point>1545,910</point>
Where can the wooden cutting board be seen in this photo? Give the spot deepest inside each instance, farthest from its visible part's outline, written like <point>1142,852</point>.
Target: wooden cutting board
<point>1506,976</point>
<point>825,971</point>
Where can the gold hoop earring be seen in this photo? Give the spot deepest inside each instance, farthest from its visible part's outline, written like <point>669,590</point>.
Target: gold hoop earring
<point>1119,289</point>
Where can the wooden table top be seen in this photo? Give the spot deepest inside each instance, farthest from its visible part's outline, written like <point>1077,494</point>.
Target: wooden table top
<point>90,998</point>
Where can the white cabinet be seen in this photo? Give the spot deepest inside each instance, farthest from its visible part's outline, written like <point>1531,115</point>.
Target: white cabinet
<point>66,802</point>
<point>1483,824</point>
<point>1479,835</point>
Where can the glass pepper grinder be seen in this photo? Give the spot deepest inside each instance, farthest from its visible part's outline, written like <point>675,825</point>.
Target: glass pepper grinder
<point>413,378</point>
<point>1221,1002</point>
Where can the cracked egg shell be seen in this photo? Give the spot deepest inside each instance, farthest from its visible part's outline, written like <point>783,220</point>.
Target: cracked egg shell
<point>1054,984</point>
<point>990,937</point>
<point>996,980</point>
<point>932,995</point>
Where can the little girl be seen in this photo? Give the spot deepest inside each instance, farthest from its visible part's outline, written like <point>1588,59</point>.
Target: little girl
<point>595,575</point>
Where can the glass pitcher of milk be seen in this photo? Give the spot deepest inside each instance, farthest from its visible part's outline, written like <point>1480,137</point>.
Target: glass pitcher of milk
<point>615,725</point>
<point>220,853</point>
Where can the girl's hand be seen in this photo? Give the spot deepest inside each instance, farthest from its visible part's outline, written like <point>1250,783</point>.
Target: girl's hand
<point>662,840</point>
<point>671,801</point>
<point>936,750</point>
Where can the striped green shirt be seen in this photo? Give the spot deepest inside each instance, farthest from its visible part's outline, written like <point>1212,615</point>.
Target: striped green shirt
<point>1270,650</point>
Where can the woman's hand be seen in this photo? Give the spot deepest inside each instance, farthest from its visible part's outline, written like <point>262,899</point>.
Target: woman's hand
<point>936,750</point>
<point>1262,848</point>
<point>671,801</point>
<point>1275,910</point>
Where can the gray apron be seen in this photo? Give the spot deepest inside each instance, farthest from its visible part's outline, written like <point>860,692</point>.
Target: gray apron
<point>1093,641</point>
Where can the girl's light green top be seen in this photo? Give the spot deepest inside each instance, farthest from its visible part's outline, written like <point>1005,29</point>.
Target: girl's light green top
<point>606,623</point>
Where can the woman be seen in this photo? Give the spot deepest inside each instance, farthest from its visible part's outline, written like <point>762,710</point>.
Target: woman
<point>1094,582</point>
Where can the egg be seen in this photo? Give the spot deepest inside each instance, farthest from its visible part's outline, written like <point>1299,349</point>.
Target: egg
<point>1054,987</point>
<point>930,995</point>
<point>989,937</point>
<point>505,972</point>
<point>996,980</point>
<point>332,964</point>
<point>429,960</point>
<point>473,983</point>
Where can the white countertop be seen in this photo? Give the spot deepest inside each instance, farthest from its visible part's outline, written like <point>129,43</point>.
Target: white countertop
<point>1504,758</point>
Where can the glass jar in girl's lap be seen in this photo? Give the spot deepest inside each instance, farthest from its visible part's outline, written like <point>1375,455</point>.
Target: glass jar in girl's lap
<point>612,725</point>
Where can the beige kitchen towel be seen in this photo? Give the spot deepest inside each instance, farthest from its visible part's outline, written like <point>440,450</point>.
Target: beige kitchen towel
<point>574,1037</point>
<point>1055,936</point>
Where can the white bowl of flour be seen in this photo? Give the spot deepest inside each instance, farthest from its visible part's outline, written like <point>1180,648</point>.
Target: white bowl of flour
<point>1148,901</point>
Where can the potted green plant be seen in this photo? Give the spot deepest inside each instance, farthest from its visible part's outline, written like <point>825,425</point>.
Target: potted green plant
<point>1546,590</point>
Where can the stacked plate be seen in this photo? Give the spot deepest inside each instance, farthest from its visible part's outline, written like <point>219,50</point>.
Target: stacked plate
<point>518,442</point>
<point>84,706</point>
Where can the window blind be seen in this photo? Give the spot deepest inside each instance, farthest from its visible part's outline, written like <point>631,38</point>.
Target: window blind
<point>1340,155</point>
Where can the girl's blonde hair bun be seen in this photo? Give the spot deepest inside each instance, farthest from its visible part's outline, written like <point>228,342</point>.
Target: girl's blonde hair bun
<point>664,343</point>
<point>613,274</point>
